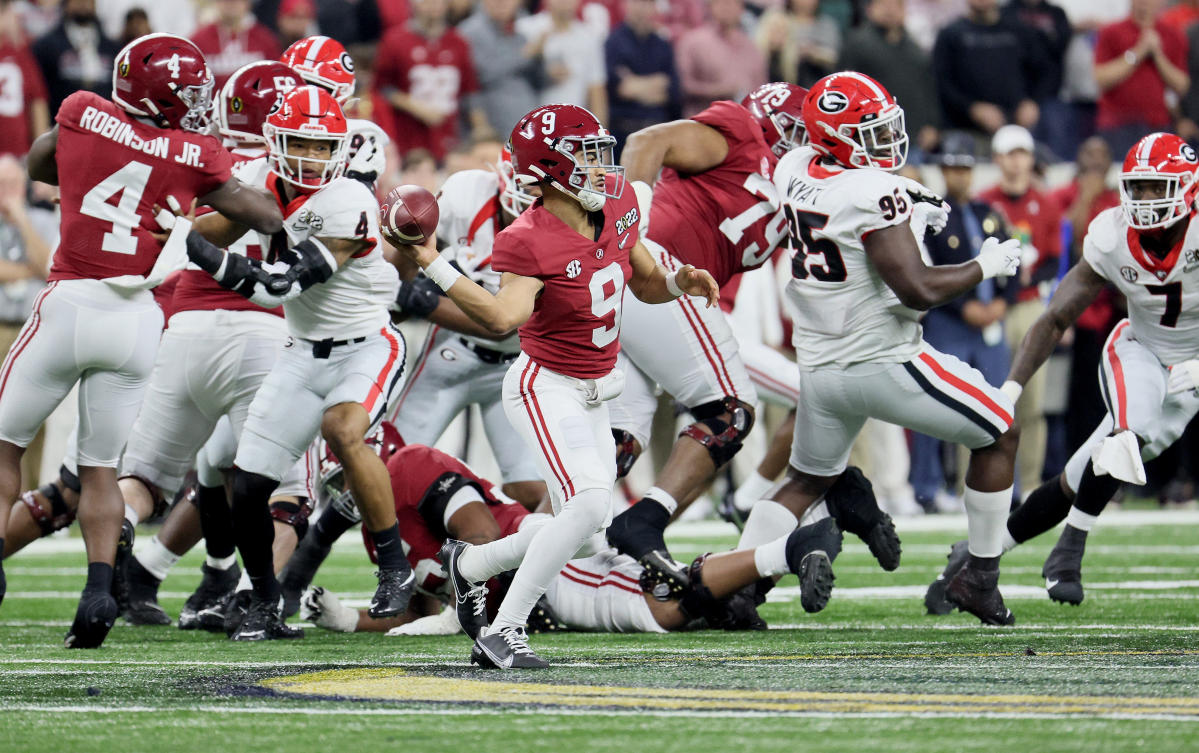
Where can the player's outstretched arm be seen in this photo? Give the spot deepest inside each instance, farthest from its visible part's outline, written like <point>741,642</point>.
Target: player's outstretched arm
<point>894,253</point>
<point>1078,289</point>
<point>653,284</point>
<point>420,297</point>
<point>684,145</point>
<point>498,314</point>
<point>41,163</point>
<point>244,204</point>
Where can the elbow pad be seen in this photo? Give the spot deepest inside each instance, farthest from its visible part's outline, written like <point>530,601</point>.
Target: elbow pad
<point>310,263</point>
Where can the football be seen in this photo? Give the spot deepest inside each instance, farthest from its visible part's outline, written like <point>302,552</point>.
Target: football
<point>408,215</point>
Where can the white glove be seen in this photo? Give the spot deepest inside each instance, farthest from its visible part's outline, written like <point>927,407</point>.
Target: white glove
<point>999,259</point>
<point>368,161</point>
<point>1184,377</point>
<point>323,609</point>
<point>929,210</point>
<point>645,197</point>
<point>445,623</point>
<point>1013,390</point>
<point>1120,457</point>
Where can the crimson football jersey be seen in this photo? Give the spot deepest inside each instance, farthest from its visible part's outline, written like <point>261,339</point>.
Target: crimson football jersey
<point>422,481</point>
<point>199,291</point>
<point>575,326</point>
<point>21,85</point>
<point>727,219</point>
<point>113,170</point>
<point>436,72</point>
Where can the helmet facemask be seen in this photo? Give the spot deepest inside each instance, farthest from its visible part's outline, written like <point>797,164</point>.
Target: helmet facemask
<point>791,133</point>
<point>514,198</point>
<point>198,100</point>
<point>881,142</point>
<point>1150,214</point>
<point>281,160</point>
<point>591,154</point>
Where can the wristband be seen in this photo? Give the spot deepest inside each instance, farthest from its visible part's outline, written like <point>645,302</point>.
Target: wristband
<point>1012,389</point>
<point>442,273</point>
<point>672,284</point>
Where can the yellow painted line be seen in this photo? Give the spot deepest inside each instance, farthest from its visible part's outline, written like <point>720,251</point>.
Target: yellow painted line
<point>390,684</point>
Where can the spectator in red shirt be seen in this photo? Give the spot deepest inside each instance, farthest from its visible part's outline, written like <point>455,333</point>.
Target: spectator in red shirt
<point>1035,218</point>
<point>296,21</point>
<point>24,114</point>
<point>1137,62</point>
<point>718,60</point>
<point>234,40</point>
<point>424,71</point>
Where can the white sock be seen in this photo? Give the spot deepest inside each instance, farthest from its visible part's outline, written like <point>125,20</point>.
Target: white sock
<point>1080,520</point>
<point>131,515</point>
<point>483,561</point>
<point>814,514</point>
<point>157,559</point>
<point>554,544</point>
<point>663,498</point>
<point>768,520</point>
<point>986,520</point>
<point>1008,542</point>
<point>221,563</point>
<point>771,558</point>
<point>750,491</point>
<point>243,583</point>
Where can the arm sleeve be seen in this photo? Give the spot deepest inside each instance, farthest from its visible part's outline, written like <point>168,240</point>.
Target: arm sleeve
<point>218,167</point>
<point>347,210</point>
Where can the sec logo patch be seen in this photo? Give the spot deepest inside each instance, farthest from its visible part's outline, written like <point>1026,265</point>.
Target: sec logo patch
<point>574,269</point>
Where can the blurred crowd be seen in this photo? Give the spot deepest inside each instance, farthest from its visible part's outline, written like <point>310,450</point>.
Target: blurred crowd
<point>1016,110</point>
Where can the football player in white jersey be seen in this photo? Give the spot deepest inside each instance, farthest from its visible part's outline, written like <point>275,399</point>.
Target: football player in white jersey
<point>1148,248</point>
<point>339,367</point>
<point>858,285</point>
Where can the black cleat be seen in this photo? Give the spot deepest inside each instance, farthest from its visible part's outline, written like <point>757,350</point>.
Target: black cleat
<point>977,592</point>
<point>506,648</point>
<point>120,567</point>
<point>93,619</point>
<point>214,589</point>
<point>263,623</point>
<point>640,529</point>
<point>232,611</point>
<point>394,591</point>
<point>663,577</point>
<point>1063,567</point>
<point>470,599</point>
<point>852,504</point>
<point>143,608</point>
<point>811,550</point>
<point>543,619</point>
<point>300,570</point>
<point>934,598</point>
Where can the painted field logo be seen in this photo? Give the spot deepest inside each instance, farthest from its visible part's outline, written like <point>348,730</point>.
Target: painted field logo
<point>391,684</point>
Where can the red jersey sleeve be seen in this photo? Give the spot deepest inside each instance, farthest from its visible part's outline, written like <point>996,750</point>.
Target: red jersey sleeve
<point>510,254</point>
<point>216,167</point>
<point>1106,44</point>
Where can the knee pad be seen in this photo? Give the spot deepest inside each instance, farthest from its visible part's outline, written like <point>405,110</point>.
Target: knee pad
<point>293,514</point>
<point>69,480</point>
<point>729,421</point>
<point>160,502</point>
<point>626,452</point>
<point>59,516</point>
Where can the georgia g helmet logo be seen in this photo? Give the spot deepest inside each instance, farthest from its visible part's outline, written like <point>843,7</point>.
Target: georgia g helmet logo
<point>1187,153</point>
<point>347,62</point>
<point>832,102</point>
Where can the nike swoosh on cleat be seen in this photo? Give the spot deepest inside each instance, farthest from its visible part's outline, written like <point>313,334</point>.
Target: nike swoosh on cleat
<point>1049,584</point>
<point>253,634</point>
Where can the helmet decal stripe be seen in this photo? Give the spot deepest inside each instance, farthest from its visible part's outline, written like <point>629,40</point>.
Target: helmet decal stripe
<point>314,50</point>
<point>869,84</point>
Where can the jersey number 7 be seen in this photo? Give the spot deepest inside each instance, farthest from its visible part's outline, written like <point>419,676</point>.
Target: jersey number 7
<point>801,225</point>
<point>1173,293</point>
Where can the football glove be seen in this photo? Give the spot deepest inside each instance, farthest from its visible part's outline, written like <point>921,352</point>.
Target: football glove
<point>1184,377</point>
<point>418,297</point>
<point>999,259</point>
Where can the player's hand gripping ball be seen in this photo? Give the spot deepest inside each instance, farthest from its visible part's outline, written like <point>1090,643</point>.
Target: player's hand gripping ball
<point>408,216</point>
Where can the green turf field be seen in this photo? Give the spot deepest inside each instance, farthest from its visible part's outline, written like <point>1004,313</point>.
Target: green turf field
<point>870,673</point>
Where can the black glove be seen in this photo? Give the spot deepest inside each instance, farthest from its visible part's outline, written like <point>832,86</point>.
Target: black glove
<point>418,297</point>
<point>203,253</point>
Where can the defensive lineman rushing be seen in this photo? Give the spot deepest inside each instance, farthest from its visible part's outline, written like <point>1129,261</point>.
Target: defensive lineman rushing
<point>1149,370</point>
<point>143,147</point>
<point>338,369</point>
<point>858,284</point>
<point>565,263</point>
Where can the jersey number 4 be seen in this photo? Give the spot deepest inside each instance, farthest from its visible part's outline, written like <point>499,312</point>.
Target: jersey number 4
<point>130,181</point>
<point>810,251</point>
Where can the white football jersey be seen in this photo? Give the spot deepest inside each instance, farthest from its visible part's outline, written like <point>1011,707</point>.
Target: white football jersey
<point>354,301</point>
<point>470,216</point>
<point>361,131</point>
<point>1163,297</point>
<point>844,313</point>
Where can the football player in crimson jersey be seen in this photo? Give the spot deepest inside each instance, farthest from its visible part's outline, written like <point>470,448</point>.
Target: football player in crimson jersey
<point>120,159</point>
<point>565,262</point>
<point>1149,371</point>
<point>858,284</point>
<point>438,499</point>
<point>715,207</point>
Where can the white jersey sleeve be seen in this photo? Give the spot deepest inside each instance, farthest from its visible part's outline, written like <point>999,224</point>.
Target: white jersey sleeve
<point>343,209</point>
<point>844,312</point>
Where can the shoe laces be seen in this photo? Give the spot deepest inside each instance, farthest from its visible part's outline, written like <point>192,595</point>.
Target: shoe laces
<point>516,639</point>
<point>477,596</point>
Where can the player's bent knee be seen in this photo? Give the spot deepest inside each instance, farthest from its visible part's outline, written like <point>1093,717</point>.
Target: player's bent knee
<point>58,517</point>
<point>344,429</point>
<point>720,427</point>
<point>590,505</point>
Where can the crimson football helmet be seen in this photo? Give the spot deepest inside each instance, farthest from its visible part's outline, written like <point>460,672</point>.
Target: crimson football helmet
<point>514,198</point>
<point>851,118</point>
<point>323,62</point>
<point>1161,158</point>
<point>307,112</point>
<point>165,78</point>
<point>566,145</point>
<point>252,93</point>
<point>778,108</point>
<point>331,479</point>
